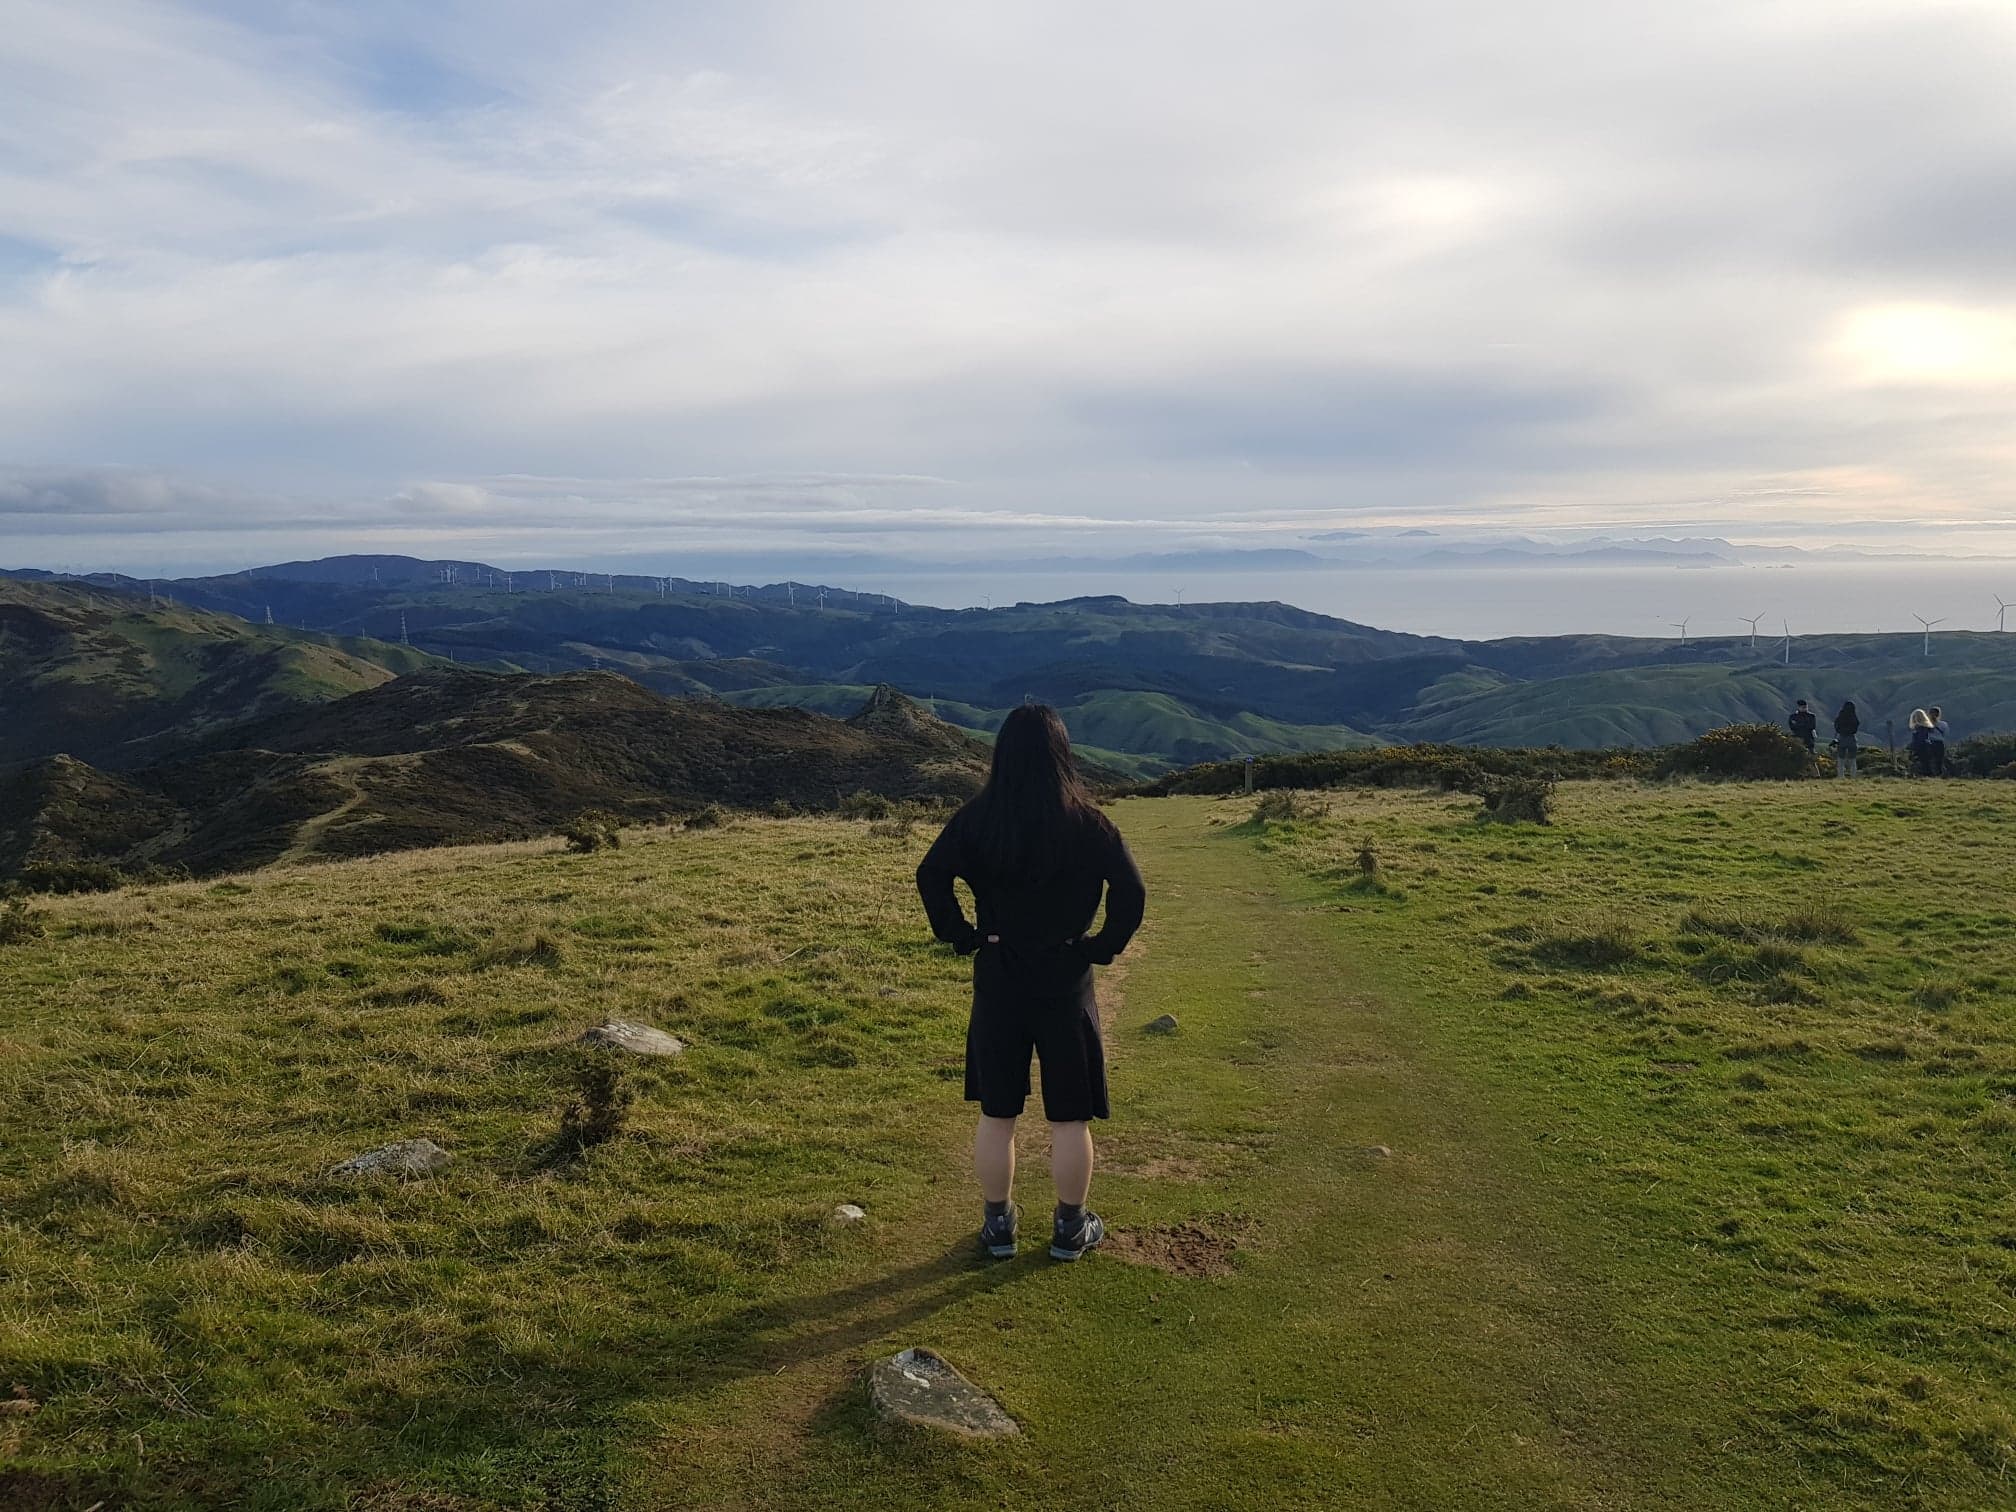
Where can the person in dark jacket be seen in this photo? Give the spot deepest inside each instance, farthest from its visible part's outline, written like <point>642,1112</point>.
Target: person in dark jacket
<point>1846,724</point>
<point>1922,753</point>
<point>1038,854</point>
<point>1803,724</point>
<point>1940,730</point>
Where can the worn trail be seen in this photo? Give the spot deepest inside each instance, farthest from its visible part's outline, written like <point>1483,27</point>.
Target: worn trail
<point>1335,1284</point>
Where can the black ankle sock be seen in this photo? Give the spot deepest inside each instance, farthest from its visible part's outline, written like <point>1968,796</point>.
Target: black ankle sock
<point>996,1209</point>
<point>1070,1213</point>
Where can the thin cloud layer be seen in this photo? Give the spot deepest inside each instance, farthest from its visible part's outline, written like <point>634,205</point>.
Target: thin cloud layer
<point>949,281</point>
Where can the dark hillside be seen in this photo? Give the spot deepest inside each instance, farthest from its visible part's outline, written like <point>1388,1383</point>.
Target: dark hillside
<point>453,755</point>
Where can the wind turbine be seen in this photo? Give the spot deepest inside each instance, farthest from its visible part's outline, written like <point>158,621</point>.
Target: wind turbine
<point>1751,621</point>
<point>402,629</point>
<point>269,614</point>
<point>1681,626</point>
<point>822,598</point>
<point>1788,642</point>
<point>2002,612</point>
<point>1928,624</point>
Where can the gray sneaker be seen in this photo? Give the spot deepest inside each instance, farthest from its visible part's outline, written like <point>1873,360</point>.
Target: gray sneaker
<point>997,1235</point>
<point>1071,1243</point>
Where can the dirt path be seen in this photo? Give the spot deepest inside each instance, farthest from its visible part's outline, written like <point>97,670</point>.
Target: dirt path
<point>1333,1283</point>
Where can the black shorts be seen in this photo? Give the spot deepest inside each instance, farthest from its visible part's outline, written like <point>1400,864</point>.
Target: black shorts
<point>1035,1000</point>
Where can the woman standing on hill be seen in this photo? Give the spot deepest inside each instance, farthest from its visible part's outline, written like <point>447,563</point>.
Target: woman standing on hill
<point>1037,853</point>
<point>1846,724</point>
<point>1921,743</point>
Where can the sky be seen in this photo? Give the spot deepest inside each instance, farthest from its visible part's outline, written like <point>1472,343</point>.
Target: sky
<point>667,283</point>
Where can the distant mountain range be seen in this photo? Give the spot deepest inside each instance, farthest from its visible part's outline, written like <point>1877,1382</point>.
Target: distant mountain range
<point>151,668</point>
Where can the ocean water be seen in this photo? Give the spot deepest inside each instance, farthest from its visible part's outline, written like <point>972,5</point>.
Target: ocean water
<point>1481,603</point>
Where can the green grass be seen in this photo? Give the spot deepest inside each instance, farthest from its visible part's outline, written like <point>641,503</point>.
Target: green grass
<point>1763,1030</point>
<point>1698,1109</point>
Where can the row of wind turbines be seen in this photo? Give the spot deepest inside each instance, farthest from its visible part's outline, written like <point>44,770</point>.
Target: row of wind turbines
<point>2002,608</point>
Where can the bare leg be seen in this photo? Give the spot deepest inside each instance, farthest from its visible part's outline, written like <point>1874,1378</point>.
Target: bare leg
<point>1071,1161</point>
<point>994,1157</point>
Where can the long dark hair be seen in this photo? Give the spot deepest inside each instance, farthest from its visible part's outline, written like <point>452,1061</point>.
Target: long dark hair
<point>1035,809</point>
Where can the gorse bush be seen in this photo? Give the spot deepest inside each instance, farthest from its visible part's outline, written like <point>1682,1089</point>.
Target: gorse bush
<point>1985,756</point>
<point>593,830</point>
<point>1450,768</point>
<point>1755,751</point>
<point>713,816</point>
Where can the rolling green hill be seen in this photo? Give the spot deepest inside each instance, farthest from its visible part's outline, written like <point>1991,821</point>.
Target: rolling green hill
<point>115,681</point>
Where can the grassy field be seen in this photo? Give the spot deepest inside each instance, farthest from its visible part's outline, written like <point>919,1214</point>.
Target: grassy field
<point>1660,1157</point>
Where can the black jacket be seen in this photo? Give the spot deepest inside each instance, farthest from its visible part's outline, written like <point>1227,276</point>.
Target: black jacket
<point>1845,725</point>
<point>1036,913</point>
<point>1803,724</point>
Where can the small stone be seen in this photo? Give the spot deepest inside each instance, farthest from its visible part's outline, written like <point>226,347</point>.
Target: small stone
<point>408,1157</point>
<point>1378,1152</point>
<point>638,1039</point>
<point>917,1387</point>
<point>846,1215</point>
<point>1163,1025</point>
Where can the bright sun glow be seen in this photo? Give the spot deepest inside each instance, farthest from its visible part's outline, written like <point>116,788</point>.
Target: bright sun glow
<point>1929,343</point>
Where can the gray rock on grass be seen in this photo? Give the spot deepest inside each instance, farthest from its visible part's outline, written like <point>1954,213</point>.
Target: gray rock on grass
<point>847,1215</point>
<point>406,1157</point>
<point>1163,1025</point>
<point>921,1389</point>
<point>638,1039</point>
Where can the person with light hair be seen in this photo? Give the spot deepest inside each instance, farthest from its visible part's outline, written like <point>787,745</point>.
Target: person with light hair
<point>1921,743</point>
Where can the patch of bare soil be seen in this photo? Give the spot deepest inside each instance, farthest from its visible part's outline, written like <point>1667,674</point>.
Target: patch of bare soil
<point>1196,1247</point>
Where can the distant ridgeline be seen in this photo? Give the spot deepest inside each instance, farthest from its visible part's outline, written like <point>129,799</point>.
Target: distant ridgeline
<point>1146,687</point>
<point>366,703</point>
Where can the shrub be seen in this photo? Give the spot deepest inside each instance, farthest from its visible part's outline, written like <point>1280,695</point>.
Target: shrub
<point>593,830</point>
<point>1517,800</point>
<point>19,923</point>
<point>71,877</point>
<point>713,816</point>
<point>863,804</point>
<point>1450,768</point>
<point>1985,755</point>
<point>1367,860</point>
<point>897,828</point>
<point>782,808</point>
<point>1750,751</point>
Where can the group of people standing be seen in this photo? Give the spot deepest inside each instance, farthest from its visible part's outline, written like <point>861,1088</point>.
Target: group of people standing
<point>1928,738</point>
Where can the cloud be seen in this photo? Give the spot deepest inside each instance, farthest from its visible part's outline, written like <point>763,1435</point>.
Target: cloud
<point>801,271</point>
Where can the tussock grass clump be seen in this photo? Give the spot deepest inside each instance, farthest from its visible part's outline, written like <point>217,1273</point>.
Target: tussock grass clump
<point>593,830</point>
<point>18,922</point>
<point>713,816</point>
<point>863,804</point>
<point>1285,806</point>
<point>896,827</point>
<point>1602,945</point>
<point>1517,800</point>
<point>531,948</point>
<point>600,1105</point>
